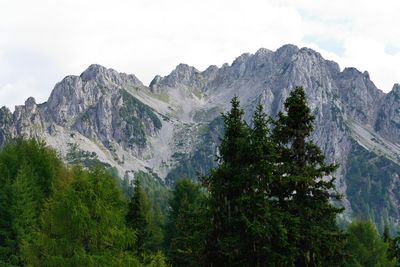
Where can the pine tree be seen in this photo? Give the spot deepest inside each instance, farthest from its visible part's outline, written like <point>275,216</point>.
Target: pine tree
<point>6,231</point>
<point>266,241</point>
<point>225,185</point>
<point>139,218</point>
<point>386,234</point>
<point>186,225</point>
<point>305,187</point>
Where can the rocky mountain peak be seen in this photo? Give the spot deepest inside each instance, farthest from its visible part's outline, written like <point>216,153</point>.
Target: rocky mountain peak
<point>183,74</point>
<point>241,59</point>
<point>183,68</point>
<point>172,133</point>
<point>104,76</point>
<point>396,89</point>
<point>287,50</point>
<point>93,71</point>
<point>154,82</point>
<point>30,103</point>
<point>263,52</point>
<point>350,72</point>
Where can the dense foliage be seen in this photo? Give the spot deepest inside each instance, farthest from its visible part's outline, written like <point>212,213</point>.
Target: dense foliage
<point>52,215</point>
<point>370,183</point>
<point>306,187</point>
<point>28,171</point>
<point>185,229</point>
<point>268,202</point>
<point>366,248</point>
<point>82,224</point>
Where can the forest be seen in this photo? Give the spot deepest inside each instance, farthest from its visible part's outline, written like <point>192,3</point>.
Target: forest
<point>271,201</point>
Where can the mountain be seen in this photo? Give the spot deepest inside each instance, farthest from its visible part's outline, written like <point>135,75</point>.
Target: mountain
<point>172,127</point>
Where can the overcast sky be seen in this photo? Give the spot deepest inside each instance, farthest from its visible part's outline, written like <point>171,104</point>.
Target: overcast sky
<point>42,41</point>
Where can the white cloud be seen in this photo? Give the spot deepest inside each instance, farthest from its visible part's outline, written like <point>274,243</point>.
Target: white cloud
<point>47,40</point>
<point>364,29</point>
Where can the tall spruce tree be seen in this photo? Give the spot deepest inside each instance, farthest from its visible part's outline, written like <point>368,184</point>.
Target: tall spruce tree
<point>187,225</point>
<point>225,185</point>
<point>247,221</point>
<point>266,240</point>
<point>139,218</point>
<point>305,187</point>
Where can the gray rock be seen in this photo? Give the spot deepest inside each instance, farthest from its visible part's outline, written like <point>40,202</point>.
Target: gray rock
<point>161,127</point>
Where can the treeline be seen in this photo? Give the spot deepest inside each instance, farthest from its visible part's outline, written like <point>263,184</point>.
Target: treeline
<point>52,215</point>
<point>270,202</point>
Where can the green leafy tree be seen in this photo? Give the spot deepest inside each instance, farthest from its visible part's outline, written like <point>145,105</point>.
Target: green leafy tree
<point>186,225</point>
<point>25,210</point>
<point>27,171</point>
<point>365,247</point>
<point>83,224</point>
<point>305,187</point>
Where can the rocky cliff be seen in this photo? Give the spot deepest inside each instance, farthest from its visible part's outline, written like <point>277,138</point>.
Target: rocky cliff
<point>172,127</point>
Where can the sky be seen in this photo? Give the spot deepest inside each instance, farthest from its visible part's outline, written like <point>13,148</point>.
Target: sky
<point>43,41</point>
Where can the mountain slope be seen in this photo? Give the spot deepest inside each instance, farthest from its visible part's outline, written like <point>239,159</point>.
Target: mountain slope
<point>172,127</point>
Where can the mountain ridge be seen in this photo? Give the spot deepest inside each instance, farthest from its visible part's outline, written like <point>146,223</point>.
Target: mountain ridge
<point>171,127</point>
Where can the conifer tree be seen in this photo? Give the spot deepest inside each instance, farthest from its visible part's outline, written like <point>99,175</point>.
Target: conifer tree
<point>266,241</point>
<point>305,187</point>
<point>186,225</point>
<point>393,243</point>
<point>6,230</point>
<point>25,210</point>
<point>27,171</point>
<point>386,234</point>
<point>225,185</point>
<point>365,247</point>
<point>139,218</point>
<point>83,224</point>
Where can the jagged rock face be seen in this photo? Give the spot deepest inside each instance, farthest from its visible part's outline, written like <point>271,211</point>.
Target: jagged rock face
<point>95,105</point>
<point>388,117</point>
<point>6,122</point>
<point>74,95</point>
<point>361,97</point>
<point>172,127</point>
<point>28,119</point>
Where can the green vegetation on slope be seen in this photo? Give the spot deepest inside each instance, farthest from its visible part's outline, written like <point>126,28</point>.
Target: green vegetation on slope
<point>134,113</point>
<point>264,204</point>
<point>370,181</point>
<point>204,156</point>
<point>365,247</point>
